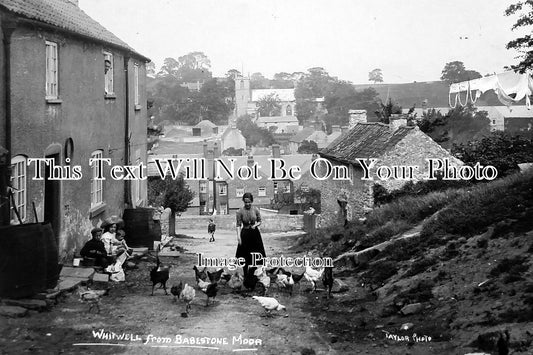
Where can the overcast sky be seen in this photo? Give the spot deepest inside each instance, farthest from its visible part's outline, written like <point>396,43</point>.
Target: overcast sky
<point>410,40</point>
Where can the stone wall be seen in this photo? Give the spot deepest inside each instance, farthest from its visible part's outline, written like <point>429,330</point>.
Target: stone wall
<point>271,223</point>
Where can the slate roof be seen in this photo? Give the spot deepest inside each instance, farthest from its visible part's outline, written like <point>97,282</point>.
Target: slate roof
<point>365,140</point>
<point>66,16</point>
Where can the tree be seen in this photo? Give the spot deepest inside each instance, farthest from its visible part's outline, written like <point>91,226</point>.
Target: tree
<point>150,69</point>
<point>387,110</point>
<point>233,74</point>
<point>169,68</point>
<point>455,72</point>
<point>214,101</point>
<point>253,134</point>
<point>258,81</point>
<point>376,76</point>
<point>499,149</point>
<point>174,194</point>
<point>308,147</point>
<point>269,105</point>
<point>524,43</point>
<point>311,86</point>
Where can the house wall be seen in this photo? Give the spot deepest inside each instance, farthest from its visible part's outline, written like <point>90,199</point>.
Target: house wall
<point>83,114</point>
<point>413,150</point>
<point>357,192</point>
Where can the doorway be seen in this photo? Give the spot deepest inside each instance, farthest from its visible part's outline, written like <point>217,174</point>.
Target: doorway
<point>51,198</point>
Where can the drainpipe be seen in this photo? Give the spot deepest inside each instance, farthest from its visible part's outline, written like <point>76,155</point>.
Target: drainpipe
<point>127,184</point>
<point>8,26</point>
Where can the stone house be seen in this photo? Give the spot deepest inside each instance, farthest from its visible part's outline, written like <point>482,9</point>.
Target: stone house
<point>71,91</point>
<point>393,146</point>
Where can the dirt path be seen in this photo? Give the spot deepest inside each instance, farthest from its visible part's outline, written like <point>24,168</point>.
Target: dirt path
<point>234,324</point>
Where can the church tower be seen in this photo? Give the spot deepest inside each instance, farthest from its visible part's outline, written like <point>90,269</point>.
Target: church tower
<point>242,95</point>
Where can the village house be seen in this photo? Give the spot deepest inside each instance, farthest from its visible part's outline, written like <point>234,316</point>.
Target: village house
<point>223,194</point>
<point>391,145</point>
<point>71,91</point>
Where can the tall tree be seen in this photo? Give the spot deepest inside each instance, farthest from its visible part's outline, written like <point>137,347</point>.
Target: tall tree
<point>258,81</point>
<point>269,105</point>
<point>174,194</point>
<point>253,134</point>
<point>376,76</point>
<point>524,43</point>
<point>150,69</point>
<point>169,68</point>
<point>455,72</point>
<point>312,85</point>
<point>232,74</point>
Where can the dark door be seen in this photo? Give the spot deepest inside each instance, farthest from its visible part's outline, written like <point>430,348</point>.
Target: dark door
<point>51,198</point>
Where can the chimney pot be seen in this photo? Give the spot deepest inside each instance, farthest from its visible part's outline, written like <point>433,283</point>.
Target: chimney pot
<point>250,161</point>
<point>275,151</point>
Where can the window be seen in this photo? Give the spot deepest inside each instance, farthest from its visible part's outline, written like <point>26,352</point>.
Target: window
<point>223,208</point>
<point>223,190</point>
<point>239,192</point>
<point>18,182</point>
<point>51,71</point>
<point>203,187</point>
<point>108,72</point>
<point>288,110</point>
<point>97,185</point>
<point>287,188</point>
<point>262,191</point>
<point>136,83</point>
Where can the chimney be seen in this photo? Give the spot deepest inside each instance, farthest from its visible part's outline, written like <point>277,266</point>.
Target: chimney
<point>216,150</point>
<point>335,128</point>
<point>396,121</point>
<point>250,161</point>
<point>357,116</point>
<point>205,148</point>
<point>275,151</point>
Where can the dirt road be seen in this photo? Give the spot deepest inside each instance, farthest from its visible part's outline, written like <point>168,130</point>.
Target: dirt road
<point>133,322</point>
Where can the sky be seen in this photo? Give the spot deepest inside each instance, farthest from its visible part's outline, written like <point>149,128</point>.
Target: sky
<point>409,40</point>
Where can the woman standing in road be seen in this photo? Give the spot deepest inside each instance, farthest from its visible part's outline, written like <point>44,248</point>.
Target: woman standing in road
<point>248,235</point>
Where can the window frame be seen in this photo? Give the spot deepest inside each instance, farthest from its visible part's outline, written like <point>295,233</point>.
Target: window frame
<point>239,192</point>
<point>97,186</point>
<point>109,87</point>
<point>136,97</point>
<point>202,188</point>
<point>51,74</point>
<point>261,188</point>
<point>19,193</point>
<point>222,189</point>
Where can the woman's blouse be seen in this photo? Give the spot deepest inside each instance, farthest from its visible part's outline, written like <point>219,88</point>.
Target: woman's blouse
<point>247,218</point>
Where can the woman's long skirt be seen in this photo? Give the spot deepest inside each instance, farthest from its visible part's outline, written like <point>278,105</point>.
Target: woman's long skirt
<point>251,242</point>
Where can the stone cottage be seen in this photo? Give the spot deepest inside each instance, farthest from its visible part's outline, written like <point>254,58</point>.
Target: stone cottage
<point>373,153</point>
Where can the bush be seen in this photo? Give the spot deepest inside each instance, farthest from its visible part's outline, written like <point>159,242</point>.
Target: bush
<point>419,293</point>
<point>515,266</point>
<point>483,206</point>
<point>380,271</point>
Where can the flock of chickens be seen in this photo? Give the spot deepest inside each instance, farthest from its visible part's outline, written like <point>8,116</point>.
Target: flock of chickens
<point>259,282</point>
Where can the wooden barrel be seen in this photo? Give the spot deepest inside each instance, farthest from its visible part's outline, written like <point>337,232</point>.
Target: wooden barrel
<point>51,255</point>
<point>140,228</point>
<point>22,260</point>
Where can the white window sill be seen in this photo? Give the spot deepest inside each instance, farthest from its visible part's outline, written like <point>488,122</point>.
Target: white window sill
<point>110,96</point>
<point>54,101</point>
<point>138,107</point>
<point>96,210</point>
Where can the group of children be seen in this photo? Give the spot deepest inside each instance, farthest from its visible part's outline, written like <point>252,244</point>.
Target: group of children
<point>107,247</point>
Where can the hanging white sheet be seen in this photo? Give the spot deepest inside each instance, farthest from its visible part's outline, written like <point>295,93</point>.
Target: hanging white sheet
<point>504,84</point>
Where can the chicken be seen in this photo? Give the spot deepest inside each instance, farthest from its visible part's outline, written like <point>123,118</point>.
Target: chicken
<point>176,290</point>
<point>236,281</point>
<point>187,295</point>
<point>210,289</point>
<point>159,274</point>
<point>262,277</point>
<point>327,279</point>
<point>313,276</point>
<point>225,277</point>
<point>200,275</point>
<point>296,278</point>
<point>92,297</point>
<point>269,304</point>
<point>284,281</point>
<point>214,277</point>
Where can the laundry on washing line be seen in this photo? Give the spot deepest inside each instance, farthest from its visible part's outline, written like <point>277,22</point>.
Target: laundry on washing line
<point>510,87</point>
